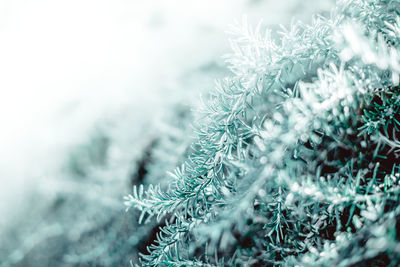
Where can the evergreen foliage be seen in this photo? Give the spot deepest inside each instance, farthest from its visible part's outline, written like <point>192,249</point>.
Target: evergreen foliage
<point>296,157</point>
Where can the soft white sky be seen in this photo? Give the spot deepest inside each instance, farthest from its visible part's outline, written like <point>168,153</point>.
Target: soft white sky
<point>66,64</point>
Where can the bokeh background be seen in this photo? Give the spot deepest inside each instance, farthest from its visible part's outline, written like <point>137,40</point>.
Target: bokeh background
<point>96,96</point>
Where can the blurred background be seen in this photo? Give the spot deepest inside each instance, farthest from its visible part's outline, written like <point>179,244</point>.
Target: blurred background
<point>97,96</point>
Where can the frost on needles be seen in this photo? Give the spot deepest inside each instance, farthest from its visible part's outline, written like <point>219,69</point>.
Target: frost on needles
<point>296,157</point>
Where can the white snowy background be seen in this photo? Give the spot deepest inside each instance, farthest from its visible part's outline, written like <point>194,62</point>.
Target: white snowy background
<point>66,66</point>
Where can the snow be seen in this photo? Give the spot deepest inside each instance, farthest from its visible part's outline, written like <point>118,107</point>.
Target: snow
<point>65,66</point>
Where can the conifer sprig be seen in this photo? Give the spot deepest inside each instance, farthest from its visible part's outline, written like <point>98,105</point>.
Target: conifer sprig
<point>296,153</point>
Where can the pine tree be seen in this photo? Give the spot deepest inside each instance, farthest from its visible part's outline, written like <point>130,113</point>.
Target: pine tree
<point>296,155</point>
